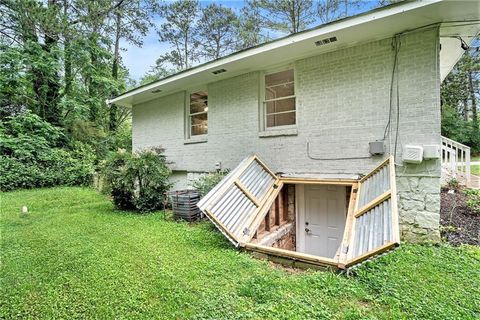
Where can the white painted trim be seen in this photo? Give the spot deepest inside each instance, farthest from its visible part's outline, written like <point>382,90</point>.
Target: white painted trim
<point>329,28</point>
<point>300,217</point>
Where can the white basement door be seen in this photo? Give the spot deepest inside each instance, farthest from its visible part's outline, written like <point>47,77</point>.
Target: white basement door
<point>241,200</point>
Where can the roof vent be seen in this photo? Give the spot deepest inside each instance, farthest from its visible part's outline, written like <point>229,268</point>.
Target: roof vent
<point>156,91</point>
<point>219,71</point>
<point>325,41</point>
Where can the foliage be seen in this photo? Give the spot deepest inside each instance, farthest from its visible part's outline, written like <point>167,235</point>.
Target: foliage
<point>178,30</point>
<point>285,16</point>
<point>460,95</point>
<point>74,256</point>
<point>206,182</point>
<point>216,31</point>
<point>139,180</point>
<point>31,155</point>
<point>453,183</point>
<point>473,199</point>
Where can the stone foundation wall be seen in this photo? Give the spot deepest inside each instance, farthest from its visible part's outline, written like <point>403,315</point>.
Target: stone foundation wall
<point>419,203</point>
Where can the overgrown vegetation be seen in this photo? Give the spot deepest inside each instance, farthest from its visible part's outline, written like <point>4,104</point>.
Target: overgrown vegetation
<point>74,256</point>
<point>207,181</point>
<point>34,153</point>
<point>138,180</point>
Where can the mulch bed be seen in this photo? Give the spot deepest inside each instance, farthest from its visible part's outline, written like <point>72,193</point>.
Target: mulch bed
<point>460,225</point>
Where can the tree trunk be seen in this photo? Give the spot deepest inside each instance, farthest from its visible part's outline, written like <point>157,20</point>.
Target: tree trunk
<point>113,117</point>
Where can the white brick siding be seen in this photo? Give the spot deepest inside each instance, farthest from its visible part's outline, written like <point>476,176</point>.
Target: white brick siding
<point>342,104</point>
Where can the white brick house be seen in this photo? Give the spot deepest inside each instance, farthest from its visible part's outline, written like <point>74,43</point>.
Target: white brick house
<point>310,110</point>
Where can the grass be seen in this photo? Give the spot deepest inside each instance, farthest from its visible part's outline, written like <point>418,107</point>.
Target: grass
<point>475,169</point>
<point>74,256</point>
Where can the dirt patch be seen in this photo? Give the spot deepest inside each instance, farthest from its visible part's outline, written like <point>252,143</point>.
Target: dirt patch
<point>460,225</point>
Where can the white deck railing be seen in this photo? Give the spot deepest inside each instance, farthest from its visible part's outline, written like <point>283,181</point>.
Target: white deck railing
<point>455,161</point>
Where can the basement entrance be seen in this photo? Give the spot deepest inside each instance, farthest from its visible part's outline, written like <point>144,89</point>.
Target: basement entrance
<point>328,222</point>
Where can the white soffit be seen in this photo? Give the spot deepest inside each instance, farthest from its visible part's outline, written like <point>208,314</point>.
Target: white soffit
<point>451,51</point>
<point>374,25</point>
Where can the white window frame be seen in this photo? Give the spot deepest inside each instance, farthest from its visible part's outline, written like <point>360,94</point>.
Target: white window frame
<point>188,115</point>
<point>263,108</point>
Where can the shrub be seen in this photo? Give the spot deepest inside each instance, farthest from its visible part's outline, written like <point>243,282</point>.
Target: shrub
<point>33,153</point>
<point>453,183</point>
<point>206,182</point>
<point>139,180</point>
<point>473,200</point>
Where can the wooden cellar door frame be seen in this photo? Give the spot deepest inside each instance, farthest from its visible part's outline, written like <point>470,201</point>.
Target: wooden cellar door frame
<point>239,203</point>
<point>372,226</point>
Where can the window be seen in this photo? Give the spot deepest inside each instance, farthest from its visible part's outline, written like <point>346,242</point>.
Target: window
<point>198,113</point>
<point>279,104</point>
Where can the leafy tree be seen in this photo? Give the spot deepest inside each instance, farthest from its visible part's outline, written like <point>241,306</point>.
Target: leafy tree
<point>179,30</point>
<point>216,31</point>
<point>290,16</point>
<point>249,28</point>
<point>460,93</point>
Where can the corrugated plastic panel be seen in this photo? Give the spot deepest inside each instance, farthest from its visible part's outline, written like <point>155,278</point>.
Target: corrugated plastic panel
<point>240,198</point>
<point>373,229</point>
<point>375,185</point>
<point>375,224</point>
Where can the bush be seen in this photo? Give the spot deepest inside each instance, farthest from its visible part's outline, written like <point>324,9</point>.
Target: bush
<point>473,200</point>
<point>33,153</point>
<point>139,180</point>
<point>206,182</point>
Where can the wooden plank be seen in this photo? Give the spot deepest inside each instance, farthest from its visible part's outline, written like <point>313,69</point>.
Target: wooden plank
<point>380,166</point>
<point>345,182</point>
<point>265,167</point>
<point>384,196</point>
<point>250,196</point>
<point>226,186</point>
<point>224,229</point>
<point>292,254</point>
<point>259,215</point>
<point>369,254</point>
<point>348,225</point>
<point>394,204</point>
<point>285,204</point>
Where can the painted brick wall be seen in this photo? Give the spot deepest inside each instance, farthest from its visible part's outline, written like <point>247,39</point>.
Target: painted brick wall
<point>342,102</point>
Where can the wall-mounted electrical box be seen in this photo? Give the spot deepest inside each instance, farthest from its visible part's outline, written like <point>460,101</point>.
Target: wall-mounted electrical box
<point>412,154</point>
<point>431,151</point>
<point>377,147</point>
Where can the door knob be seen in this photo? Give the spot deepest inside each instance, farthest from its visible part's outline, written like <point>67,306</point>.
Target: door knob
<point>307,230</point>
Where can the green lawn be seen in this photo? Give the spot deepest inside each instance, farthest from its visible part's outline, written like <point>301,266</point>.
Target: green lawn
<point>74,256</point>
<point>475,169</point>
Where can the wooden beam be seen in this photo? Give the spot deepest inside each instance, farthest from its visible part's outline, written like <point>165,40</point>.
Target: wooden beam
<point>221,226</point>
<point>348,225</point>
<point>393,188</point>
<point>384,196</point>
<point>346,182</point>
<point>250,196</point>
<point>369,254</point>
<point>380,166</point>
<point>308,258</point>
<point>258,216</point>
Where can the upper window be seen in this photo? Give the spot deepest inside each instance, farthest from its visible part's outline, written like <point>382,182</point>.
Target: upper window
<point>279,104</point>
<point>198,113</point>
